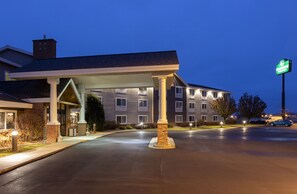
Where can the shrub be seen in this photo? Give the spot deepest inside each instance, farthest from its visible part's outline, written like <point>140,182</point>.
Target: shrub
<point>122,127</point>
<point>111,125</point>
<point>230,121</point>
<point>129,127</point>
<point>31,126</point>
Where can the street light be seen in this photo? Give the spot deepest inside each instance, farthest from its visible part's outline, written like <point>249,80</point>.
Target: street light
<point>14,134</point>
<point>141,125</point>
<point>221,123</point>
<point>244,122</point>
<point>190,126</point>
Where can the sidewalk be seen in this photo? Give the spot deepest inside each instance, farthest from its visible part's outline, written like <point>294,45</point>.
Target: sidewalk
<point>14,161</point>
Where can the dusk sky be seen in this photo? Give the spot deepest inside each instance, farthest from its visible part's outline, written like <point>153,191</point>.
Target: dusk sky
<point>228,44</point>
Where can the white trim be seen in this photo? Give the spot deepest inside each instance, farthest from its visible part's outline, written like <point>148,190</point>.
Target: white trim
<point>16,49</point>
<point>203,97</point>
<point>180,109</point>
<point>11,104</point>
<point>202,109</point>
<point>74,89</point>
<point>9,62</point>
<point>121,118</point>
<point>121,91</point>
<point>143,108</point>
<point>143,116</point>
<point>69,103</point>
<point>179,95</point>
<point>143,93</point>
<point>36,100</point>
<point>182,119</point>
<point>15,121</point>
<point>120,108</point>
<point>191,116</point>
<point>94,71</point>
<point>191,109</point>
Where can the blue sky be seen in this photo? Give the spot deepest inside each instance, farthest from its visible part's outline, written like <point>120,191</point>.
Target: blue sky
<point>231,44</point>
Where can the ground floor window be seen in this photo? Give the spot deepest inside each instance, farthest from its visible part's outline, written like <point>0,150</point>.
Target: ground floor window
<point>191,118</point>
<point>122,119</point>
<point>178,118</point>
<point>203,117</point>
<point>215,118</point>
<point>142,119</point>
<point>7,119</point>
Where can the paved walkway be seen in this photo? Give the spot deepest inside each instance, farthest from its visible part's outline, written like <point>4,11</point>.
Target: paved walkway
<point>16,160</point>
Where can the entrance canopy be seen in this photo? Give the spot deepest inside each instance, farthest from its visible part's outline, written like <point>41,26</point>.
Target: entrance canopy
<point>105,71</point>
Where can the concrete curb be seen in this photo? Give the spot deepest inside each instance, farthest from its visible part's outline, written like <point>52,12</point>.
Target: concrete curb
<point>56,151</point>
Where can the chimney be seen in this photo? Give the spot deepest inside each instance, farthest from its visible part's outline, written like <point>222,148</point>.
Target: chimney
<point>44,48</point>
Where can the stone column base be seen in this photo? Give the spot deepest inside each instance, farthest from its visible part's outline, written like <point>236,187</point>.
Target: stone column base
<point>162,141</point>
<point>81,129</point>
<point>52,133</point>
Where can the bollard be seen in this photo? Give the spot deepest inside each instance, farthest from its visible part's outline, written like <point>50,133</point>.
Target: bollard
<point>14,141</point>
<point>190,126</point>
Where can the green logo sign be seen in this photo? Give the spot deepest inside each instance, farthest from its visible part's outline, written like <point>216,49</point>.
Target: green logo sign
<point>284,66</point>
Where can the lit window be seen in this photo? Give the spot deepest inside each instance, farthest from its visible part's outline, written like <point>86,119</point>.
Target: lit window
<point>122,119</point>
<point>7,120</point>
<point>178,118</point>
<point>178,106</point>
<point>121,104</point>
<point>191,118</point>
<point>178,92</point>
<point>142,91</point>
<point>142,119</point>
<point>2,120</point>
<point>142,105</point>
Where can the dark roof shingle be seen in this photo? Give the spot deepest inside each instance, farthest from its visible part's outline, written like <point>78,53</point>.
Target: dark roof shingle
<point>103,61</point>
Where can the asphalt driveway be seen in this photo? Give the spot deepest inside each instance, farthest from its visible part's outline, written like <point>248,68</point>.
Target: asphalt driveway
<point>250,160</point>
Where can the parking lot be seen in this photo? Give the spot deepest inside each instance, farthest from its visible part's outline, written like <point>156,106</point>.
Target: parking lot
<point>241,160</point>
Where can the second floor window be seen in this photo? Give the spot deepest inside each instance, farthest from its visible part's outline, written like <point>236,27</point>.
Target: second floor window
<point>191,106</point>
<point>178,106</point>
<point>142,105</point>
<point>203,107</point>
<point>121,104</point>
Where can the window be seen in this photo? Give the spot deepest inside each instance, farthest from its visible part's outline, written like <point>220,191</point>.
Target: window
<point>191,106</point>
<point>142,91</point>
<point>203,117</point>
<point>178,118</point>
<point>142,118</point>
<point>178,106</point>
<point>215,118</point>
<point>142,105</point>
<point>203,94</point>
<point>121,104</point>
<point>178,92</point>
<point>203,107</point>
<point>192,93</point>
<point>7,120</point>
<point>215,95</point>
<point>122,119</point>
<point>191,118</point>
<point>121,91</point>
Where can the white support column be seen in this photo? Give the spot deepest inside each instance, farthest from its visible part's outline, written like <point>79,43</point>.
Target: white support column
<point>162,101</point>
<point>81,89</point>
<point>53,100</point>
<point>53,127</point>
<point>82,123</point>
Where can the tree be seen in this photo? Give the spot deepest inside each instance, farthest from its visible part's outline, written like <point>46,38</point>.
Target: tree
<point>224,106</point>
<point>250,106</point>
<point>95,112</point>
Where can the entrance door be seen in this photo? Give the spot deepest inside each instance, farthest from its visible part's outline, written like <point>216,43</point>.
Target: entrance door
<point>62,118</point>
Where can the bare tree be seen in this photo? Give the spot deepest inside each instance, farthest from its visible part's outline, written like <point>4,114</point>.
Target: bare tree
<point>224,106</point>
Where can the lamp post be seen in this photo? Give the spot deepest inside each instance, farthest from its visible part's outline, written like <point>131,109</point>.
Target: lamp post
<point>244,122</point>
<point>141,125</point>
<point>190,126</point>
<point>14,134</point>
<point>221,123</point>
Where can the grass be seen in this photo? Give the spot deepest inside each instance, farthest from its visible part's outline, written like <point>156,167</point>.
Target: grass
<point>22,148</point>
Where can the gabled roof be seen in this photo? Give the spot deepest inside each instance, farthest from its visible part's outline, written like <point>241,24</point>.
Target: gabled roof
<point>26,89</point>
<point>9,101</point>
<point>9,62</point>
<point>205,87</point>
<point>103,61</point>
<point>8,47</point>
